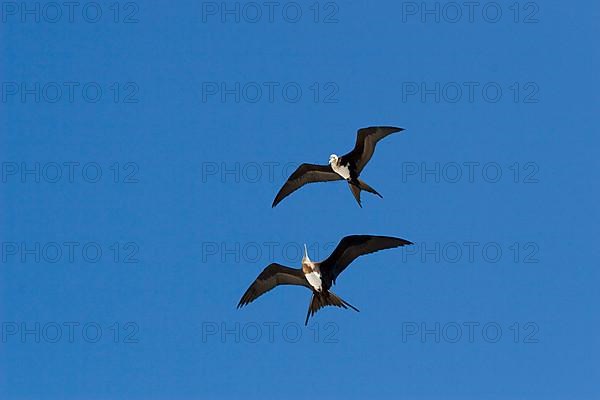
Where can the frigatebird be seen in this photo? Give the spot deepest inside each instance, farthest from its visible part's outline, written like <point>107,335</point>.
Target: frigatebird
<point>347,167</point>
<point>320,276</point>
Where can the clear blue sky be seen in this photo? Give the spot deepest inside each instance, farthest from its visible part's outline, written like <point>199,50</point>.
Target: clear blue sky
<point>193,118</point>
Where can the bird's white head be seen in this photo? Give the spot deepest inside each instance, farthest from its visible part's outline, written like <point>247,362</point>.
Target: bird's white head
<point>333,159</point>
<point>305,259</point>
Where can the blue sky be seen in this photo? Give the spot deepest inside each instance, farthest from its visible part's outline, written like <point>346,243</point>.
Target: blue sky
<point>143,143</point>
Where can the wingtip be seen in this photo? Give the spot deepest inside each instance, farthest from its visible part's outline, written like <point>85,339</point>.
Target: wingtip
<point>394,129</point>
<point>400,242</point>
<point>242,303</point>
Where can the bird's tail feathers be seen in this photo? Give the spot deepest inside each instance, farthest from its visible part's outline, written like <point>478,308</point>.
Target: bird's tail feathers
<point>358,185</point>
<point>355,189</point>
<point>324,299</point>
<point>364,186</point>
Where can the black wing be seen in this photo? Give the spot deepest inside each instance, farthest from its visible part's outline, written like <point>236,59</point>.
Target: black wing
<point>306,173</point>
<point>274,275</point>
<point>366,139</point>
<point>352,247</point>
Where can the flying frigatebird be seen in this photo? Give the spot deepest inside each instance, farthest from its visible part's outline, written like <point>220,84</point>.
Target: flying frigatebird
<point>320,276</point>
<point>347,167</point>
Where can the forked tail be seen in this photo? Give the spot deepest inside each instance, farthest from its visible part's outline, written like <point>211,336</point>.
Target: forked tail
<point>358,185</point>
<point>368,188</point>
<point>324,299</point>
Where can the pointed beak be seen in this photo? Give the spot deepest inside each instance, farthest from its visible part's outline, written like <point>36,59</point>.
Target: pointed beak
<point>305,258</point>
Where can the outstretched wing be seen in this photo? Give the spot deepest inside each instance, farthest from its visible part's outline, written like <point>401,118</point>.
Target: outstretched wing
<point>306,173</point>
<point>352,247</point>
<point>366,139</point>
<point>273,275</point>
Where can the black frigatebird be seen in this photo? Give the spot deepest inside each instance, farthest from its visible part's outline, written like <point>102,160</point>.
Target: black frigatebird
<point>320,276</point>
<point>347,167</point>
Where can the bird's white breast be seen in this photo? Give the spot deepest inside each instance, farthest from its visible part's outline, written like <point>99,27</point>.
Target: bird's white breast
<point>341,170</point>
<point>314,278</point>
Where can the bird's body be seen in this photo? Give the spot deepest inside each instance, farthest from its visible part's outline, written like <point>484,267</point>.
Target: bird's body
<point>348,167</point>
<point>319,277</point>
<point>342,170</point>
<point>313,276</point>
<point>312,272</point>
